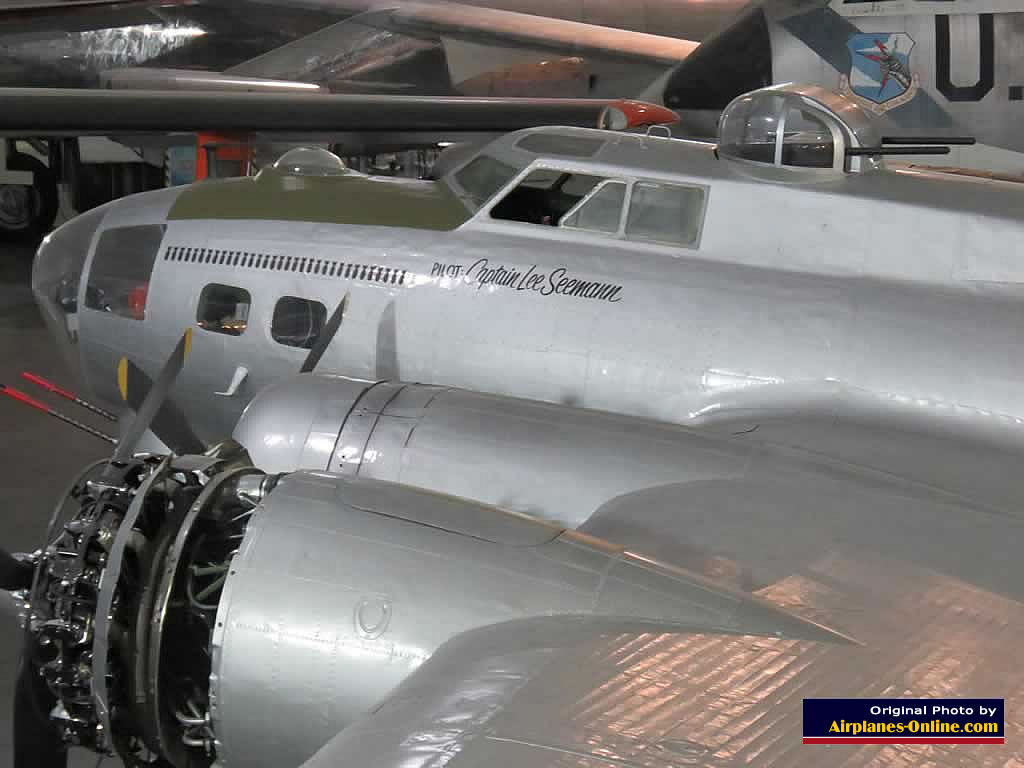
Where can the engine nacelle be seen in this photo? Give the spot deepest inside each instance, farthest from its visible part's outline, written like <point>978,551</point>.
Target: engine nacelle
<point>202,610</point>
<point>516,454</point>
<point>343,587</point>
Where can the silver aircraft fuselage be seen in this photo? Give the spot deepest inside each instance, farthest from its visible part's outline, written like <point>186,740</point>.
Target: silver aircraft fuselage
<point>881,295</point>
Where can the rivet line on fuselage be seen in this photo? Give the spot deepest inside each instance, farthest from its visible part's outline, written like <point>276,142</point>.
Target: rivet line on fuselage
<point>375,273</point>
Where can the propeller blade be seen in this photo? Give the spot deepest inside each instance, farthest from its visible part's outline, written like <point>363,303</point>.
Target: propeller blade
<point>325,338</point>
<point>153,402</point>
<point>170,423</point>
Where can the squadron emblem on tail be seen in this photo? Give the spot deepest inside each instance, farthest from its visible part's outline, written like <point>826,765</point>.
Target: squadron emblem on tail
<point>880,77</point>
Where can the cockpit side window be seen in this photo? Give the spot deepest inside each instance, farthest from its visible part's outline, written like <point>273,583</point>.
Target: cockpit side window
<point>224,309</point>
<point>544,196</point>
<point>118,279</point>
<point>601,211</point>
<point>484,176</point>
<point>666,213</point>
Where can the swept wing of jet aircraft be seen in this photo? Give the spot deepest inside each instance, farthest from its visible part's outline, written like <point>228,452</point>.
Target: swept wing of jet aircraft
<point>427,48</point>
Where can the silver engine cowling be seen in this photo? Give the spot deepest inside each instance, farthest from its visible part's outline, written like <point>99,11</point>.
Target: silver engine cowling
<point>516,454</point>
<point>202,611</point>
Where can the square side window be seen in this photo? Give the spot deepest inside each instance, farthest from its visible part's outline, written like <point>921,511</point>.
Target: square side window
<point>297,322</point>
<point>665,213</point>
<point>224,309</point>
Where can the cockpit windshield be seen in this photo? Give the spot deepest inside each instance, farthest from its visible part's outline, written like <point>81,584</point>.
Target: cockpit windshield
<point>544,196</point>
<point>477,181</point>
<point>56,276</point>
<point>484,176</point>
<point>57,269</point>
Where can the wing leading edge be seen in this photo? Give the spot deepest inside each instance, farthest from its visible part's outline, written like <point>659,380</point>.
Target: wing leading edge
<point>56,111</point>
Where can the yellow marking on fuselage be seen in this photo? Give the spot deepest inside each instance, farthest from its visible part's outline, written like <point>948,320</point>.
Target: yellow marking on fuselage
<point>122,378</point>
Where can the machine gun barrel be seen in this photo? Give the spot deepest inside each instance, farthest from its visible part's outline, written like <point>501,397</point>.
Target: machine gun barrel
<point>30,401</point>
<point>948,140</point>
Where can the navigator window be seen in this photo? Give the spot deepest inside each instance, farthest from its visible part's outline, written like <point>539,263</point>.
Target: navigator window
<point>118,279</point>
<point>297,322</point>
<point>224,309</point>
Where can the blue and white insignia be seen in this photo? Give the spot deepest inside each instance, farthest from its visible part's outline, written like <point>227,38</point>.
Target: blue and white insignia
<point>880,76</point>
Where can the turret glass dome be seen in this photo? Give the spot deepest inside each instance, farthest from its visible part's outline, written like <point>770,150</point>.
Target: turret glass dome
<point>310,161</point>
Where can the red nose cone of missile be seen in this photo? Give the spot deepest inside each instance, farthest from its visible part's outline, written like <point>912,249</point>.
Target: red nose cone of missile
<point>626,113</point>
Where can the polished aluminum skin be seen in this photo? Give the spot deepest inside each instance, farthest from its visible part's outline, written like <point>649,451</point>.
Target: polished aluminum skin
<point>891,512</point>
<point>341,588</point>
<point>529,456</point>
<point>801,316</point>
<point>229,617</point>
<point>929,581</point>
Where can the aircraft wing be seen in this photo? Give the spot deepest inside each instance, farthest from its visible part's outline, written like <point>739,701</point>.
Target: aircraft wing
<point>334,47</point>
<point>931,587</point>
<point>527,30</point>
<point>76,112</point>
<point>965,452</point>
<point>539,694</point>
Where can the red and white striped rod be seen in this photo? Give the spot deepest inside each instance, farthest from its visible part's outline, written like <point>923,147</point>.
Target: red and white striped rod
<point>38,380</point>
<point>23,398</point>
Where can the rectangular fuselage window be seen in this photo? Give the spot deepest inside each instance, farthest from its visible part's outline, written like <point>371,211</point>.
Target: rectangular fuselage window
<point>297,322</point>
<point>121,269</point>
<point>665,213</point>
<point>224,309</point>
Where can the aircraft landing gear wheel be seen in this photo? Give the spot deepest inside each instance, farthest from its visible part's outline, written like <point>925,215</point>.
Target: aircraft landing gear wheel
<point>28,211</point>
